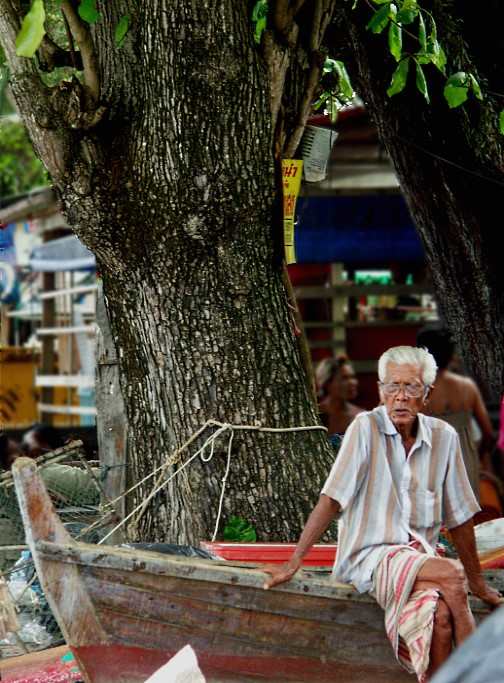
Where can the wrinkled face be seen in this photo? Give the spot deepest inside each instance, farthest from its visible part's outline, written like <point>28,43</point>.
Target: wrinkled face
<point>344,385</point>
<point>397,393</point>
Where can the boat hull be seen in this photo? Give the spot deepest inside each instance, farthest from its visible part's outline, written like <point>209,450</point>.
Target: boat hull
<point>120,664</point>
<point>148,607</point>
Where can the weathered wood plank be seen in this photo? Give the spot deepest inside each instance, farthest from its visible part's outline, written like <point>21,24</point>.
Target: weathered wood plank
<point>107,585</point>
<point>124,559</point>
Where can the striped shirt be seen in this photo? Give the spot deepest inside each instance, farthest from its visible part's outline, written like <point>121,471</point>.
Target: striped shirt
<point>385,496</point>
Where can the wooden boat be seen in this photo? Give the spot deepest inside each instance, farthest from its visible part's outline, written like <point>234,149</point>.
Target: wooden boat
<point>124,612</point>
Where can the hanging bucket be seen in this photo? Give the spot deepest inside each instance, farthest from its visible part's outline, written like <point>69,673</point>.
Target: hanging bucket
<point>316,146</point>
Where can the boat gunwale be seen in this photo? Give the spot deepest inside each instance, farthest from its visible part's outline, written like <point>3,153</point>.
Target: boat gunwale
<point>216,571</point>
<point>197,569</point>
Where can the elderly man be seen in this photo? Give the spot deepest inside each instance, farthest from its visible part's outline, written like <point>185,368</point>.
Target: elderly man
<point>399,474</point>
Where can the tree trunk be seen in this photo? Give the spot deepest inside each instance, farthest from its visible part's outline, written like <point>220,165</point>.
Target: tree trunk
<point>173,191</point>
<point>449,164</point>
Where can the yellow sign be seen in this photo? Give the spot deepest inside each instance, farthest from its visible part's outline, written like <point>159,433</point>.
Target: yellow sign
<point>291,181</point>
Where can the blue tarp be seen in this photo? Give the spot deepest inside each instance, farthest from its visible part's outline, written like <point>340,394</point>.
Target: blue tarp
<point>363,229</point>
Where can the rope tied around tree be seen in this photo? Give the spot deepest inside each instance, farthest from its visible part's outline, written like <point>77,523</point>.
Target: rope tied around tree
<point>208,446</point>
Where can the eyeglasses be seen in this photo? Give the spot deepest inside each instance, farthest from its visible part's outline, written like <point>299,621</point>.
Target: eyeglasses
<point>410,390</point>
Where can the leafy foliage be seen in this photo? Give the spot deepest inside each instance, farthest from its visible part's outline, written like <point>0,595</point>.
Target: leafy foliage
<point>336,88</point>
<point>421,27</point>
<point>238,529</point>
<point>20,170</point>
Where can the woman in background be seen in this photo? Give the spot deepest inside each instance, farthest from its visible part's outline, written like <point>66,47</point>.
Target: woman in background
<point>457,400</point>
<point>338,387</point>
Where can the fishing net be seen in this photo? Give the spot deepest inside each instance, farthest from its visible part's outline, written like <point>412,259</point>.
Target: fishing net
<point>76,487</point>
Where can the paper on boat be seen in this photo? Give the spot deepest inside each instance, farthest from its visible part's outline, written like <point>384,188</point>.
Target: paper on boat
<point>182,668</point>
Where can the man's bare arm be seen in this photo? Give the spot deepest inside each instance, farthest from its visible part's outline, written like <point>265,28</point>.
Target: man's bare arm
<point>318,521</point>
<point>465,543</point>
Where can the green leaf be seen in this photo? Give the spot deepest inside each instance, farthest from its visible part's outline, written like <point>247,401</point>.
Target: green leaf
<point>399,78</point>
<point>421,83</point>
<point>501,122</point>
<point>88,12</point>
<point>458,79</point>
<point>424,57</point>
<point>344,84</point>
<point>408,11</point>
<point>456,89</point>
<point>323,98</point>
<point>475,86</point>
<point>407,16</point>
<point>440,60</point>
<point>380,19</point>
<point>422,34</point>
<point>259,19</point>
<point>437,54</point>
<point>32,30</point>
<point>260,10</point>
<point>433,33</point>
<point>395,41</point>
<point>238,529</point>
<point>121,30</point>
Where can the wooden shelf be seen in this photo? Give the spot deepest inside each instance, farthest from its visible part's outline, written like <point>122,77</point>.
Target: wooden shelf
<point>361,290</point>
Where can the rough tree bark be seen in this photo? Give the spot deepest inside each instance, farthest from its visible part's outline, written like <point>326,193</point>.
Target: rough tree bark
<point>165,169</point>
<point>456,211</point>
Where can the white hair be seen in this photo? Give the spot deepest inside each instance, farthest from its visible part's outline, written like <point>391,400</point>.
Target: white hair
<point>412,355</point>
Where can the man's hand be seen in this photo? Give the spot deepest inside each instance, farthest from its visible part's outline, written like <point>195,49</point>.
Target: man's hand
<point>480,589</point>
<point>280,573</point>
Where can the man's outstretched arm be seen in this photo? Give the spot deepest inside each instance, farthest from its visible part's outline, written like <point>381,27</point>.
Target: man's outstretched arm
<point>322,515</point>
<point>465,544</point>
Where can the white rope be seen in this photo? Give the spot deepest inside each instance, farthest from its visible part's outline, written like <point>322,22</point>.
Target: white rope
<point>222,427</point>
<point>223,489</point>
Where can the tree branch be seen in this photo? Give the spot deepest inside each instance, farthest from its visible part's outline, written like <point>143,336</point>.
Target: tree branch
<point>284,13</point>
<point>277,60</point>
<point>84,41</point>
<point>306,105</point>
<point>322,14</point>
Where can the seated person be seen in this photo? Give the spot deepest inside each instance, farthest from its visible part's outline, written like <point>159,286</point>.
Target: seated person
<point>338,387</point>
<point>398,477</point>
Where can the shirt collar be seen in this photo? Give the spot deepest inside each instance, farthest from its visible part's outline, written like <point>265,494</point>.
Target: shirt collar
<point>386,426</point>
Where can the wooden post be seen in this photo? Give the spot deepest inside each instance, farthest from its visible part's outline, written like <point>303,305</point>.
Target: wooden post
<point>338,310</point>
<point>4,325</point>
<point>48,357</point>
<point>111,424</point>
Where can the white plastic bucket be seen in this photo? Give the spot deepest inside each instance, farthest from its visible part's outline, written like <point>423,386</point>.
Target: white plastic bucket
<point>316,146</point>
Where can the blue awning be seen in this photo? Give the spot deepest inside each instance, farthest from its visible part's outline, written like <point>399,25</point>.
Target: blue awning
<point>363,229</point>
<point>65,253</point>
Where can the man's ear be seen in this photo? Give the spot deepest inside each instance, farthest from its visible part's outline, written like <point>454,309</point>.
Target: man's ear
<point>428,393</point>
